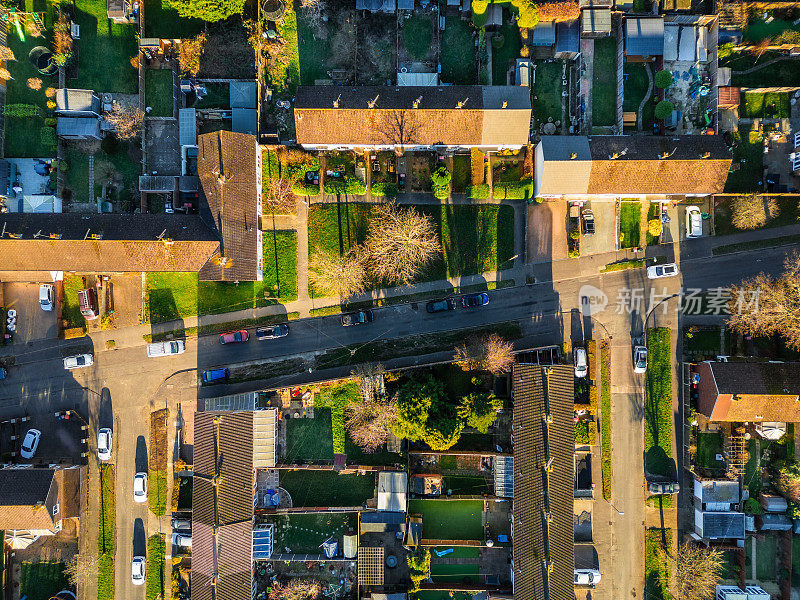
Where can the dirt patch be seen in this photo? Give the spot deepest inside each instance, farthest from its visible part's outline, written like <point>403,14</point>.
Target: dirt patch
<point>158,439</point>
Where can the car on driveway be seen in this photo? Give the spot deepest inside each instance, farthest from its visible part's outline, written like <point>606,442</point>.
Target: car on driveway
<point>639,359</point>
<point>658,488</point>
<point>46,297</point>
<point>180,524</point>
<point>30,443</point>
<point>104,444</point>
<point>588,221</point>
<point>587,577</point>
<point>659,271</point>
<point>181,541</point>
<point>581,366</point>
<point>215,375</point>
<point>356,318</point>
<point>138,570</point>
<point>140,487</point>
<point>694,222</point>
<point>474,300</point>
<point>443,305</point>
<point>273,332</point>
<point>78,361</point>
<point>234,337</point>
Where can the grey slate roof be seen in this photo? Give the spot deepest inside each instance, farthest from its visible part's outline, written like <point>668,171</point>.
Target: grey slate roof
<point>245,120</point>
<point>644,36</point>
<point>718,490</point>
<point>756,378</point>
<point>568,36</point>
<point>243,94</point>
<point>544,34</point>
<point>723,525</point>
<point>78,127</point>
<point>24,487</point>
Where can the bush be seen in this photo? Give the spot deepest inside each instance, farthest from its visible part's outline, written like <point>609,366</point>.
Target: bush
<point>50,122</point>
<point>515,190</point>
<point>478,192</point>
<point>477,158</point>
<point>753,507</point>
<point>479,7</point>
<point>528,13</point>
<point>483,76</point>
<point>663,79</point>
<point>498,40</point>
<point>63,166</point>
<point>109,144</point>
<point>440,181</point>
<point>654,227</point>
<point>384,189</point>
<point>301,188</point>
<point>47,135</point>
<point>753,211</point>
<point>574,234</point>
<point>345,185</point>
<point>574,253</point>
<point>664,109</point>
<point>74,332</point>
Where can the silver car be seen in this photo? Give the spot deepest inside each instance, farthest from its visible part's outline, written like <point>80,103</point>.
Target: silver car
<point>78,361</point>
<point>138,570</point>
<point>639,359</point>
<point>104,444</point>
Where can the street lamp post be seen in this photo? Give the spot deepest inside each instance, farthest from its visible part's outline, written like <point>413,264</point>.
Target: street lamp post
<point>620,512</point>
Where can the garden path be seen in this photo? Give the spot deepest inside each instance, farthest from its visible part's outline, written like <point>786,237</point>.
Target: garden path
<point>762,65</point>
<point>646,96</point>
<point>301,224</point>
<point>587,75</point>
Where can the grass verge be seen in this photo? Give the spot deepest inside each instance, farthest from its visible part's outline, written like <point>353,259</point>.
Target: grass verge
<point>105,567</point>
<point>784,240</point>
<point>656,572</point>
<point>658,403</point>
<point>605,424</point>
<point>156,554</point>
<point>623,265</point>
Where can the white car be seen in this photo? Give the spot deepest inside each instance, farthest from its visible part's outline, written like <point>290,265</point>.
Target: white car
<point>104,444</point>
<point>694,222</point>
<point>639,359</point>
<point>140,487</point>
<point>46,297</point>
<point>30,443</point>
<point>659,271</point>
<point>587,577</point>
<point>138,570</point>
<point>166,348</point>
<point>581,366</point>
<point>181,540</point>
<point>78,361</point>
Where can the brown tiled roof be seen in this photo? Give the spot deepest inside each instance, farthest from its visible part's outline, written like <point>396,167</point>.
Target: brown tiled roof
<point>226,557</point>
<point>394,121</point>
<point>230,186</point>
<point>658,176</point>
<point>544,558</point>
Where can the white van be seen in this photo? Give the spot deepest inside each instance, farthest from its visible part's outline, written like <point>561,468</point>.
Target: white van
<point>166,348</point>
<point>46,297</point>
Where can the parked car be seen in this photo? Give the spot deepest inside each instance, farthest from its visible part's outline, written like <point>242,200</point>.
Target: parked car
<point>78,361</point>
<point>588,221</point>
<point>30,443</point>
<point>587,577</point>
<point>581,364</point>
<point>104,444</point>
<point>356,318</point>
<point>215,375</point>
<point>3,373</point>
<point>694,222</point>
<point>659,271</point>
<point>140,487</point>
<point>180,524</point>
<point>87,301</point>
<point>273,332</point>
<point>474,300</point>
<point>639,359</point>
<point>181,540</point>
<point>234,337</point>
<point>166,348</point>
<point>46,297</point>
<point>660,487</point>
<point>138,570</point>
<point>443,305</point>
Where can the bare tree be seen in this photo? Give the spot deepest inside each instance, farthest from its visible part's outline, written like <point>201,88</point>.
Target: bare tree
<point>106,174</point>
<point>697,571</point>
<point>342,276</point>
<point>752,211</point>
<point>82,567</point>
<point>126,119</point>
<point>296,589</point>
<point>343,43</point>
<point>486,353</point>
<point>399,128</point>
<point>313,11</point>
<point>400,242</point>
<point>765,305</point>
<point>189,53</point>
<point>280,197</point>
<point>370,422</point>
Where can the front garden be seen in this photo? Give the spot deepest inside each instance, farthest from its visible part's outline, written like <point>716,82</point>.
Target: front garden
<point>42,580</point>
<point>630,219</point>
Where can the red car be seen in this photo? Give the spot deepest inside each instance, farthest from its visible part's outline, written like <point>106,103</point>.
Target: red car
<point>233,337</point>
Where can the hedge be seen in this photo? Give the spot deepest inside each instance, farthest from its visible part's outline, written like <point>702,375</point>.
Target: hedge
<point>478,192</point>
<point>74,332</point>
<point>345,185</point>
<point>477,165</point>
<point>517,190</point>
<point>301,188</point>
<point>381,188</point>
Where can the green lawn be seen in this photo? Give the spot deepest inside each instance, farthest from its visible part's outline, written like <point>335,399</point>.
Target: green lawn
<point>769,105</point>
<point>604,85</point>
<point>457,552</point>
<point>310,439</point>
<point>782,73</point>
<point>158,92</point>
<point>417,36</point>
<point>748,154</point>
<point>458,53</point>
<point>280,263</point>
<point>42,580</point>
<point>156,552</point>
<point>218,95</point>
<point>449,519</point>
<point>503,56</point>
<point>705,341</point>
<point>708,446</point>
<point>125,158</point>
<point>171,296</point>
<point>658,403</point>
<point>106,51</point>
<point>757,29</point>
<point>630,215</point>
<point>635,88</point>
<point>766,551</point>
<point>455,573</point>
<point>157,491</point>
<point>546,95</point>
<point>796,561</point>
<point>752,474</point>
<point>327,488</point>
<point>283,75</point>
<point>70,310</point>
<point>656,571</point>
<point>461,172</point>
<point>105,543</point>
<point>304,533</point>
<point>76,178</point>
<point>466,485</point>
<point>313,52</point>
<point>163,21</point>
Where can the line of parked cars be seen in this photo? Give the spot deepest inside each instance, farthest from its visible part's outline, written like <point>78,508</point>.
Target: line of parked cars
<point>466,301</point>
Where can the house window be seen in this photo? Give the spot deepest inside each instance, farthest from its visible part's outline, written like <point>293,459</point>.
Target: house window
<point>56,509</point>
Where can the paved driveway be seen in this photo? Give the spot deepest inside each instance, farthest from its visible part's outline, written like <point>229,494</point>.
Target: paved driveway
<point>33,323</point>
<point>547,231</point>
<point>605,227</point>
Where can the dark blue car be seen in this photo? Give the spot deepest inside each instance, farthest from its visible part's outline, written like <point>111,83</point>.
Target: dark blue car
<point>215,375</point>
<point>445,304</point>
<point>474,300</point>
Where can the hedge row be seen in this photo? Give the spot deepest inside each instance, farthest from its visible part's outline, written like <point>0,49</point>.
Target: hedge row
<point>345,185</point>
<point>382,188</point>
<point>301,188</point>
<point>516,190</point>
<point>478,192</point>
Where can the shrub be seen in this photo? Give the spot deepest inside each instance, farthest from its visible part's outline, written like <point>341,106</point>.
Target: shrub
<point>47,135</point>
<point>384,189</point>
<point>654,227</point>
<point>663,79</point>
<point>483,76</point>
<point>301,188</point>
<point>479,7</point>
<point>440,180</point>
<point>498,40</point>
<point>50,122</point>
<point>574,234</point>
<point>528,13</point>
<point>477,158</point>
<point>74,332</point>
<point>753,211</point>
<point>109,144</point>
<point>753,507</point>
<point>22,111</point>
<point>63,166</point>
<point>664,109</point>
<point>270,166</point>
<point>574,253</point>
<point>515,190</point>
<point>525,51</point>
<point>478,192</point>
<point>345,185</point>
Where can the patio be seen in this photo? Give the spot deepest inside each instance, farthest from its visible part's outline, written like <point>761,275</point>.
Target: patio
<point>30,187</point>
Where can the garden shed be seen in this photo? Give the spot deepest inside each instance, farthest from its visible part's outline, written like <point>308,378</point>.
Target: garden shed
<point>392,486</point>
<point>644,38</point>
<point>77,103</point>
<point>544,34</point>
<point>596,21</point>
<point>773,522</point>
<point>773,503</point>
<point>685,42</point>
<point>419,79</point>
<point>386,6</point>
<point>243,94</point>
<point>78,128</point>
<point>567,40</point>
